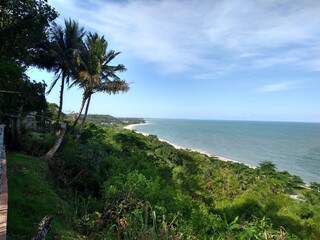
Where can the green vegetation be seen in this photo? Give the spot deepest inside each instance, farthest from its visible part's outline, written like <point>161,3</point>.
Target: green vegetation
<point>59,54</point>
<point>112,183</point>
<point>95,74</point>
<point>31,197</point>
<point>75,58</point>
<point>130,186</point>
<point>110,121</point>
<point>23,24</point>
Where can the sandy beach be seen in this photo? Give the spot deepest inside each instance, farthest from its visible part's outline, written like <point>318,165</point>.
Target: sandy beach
<point>131,127</point>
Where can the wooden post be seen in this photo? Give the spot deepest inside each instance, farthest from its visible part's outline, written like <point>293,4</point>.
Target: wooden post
<point>1,139</point>
<point>3,188</point>
<point>44,228</point>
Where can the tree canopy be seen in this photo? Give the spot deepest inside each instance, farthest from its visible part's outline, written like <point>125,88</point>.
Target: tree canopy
<point>23,24</point>
<point>60,54</point>
<point>95,74</point>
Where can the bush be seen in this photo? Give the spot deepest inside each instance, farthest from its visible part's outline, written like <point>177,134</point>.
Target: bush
<point>36,144</point>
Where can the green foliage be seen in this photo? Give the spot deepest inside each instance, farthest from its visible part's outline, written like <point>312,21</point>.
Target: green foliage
<point>35,144</point>
<point>267,167</point>
<point>315,186</point>
<point>123,185</point>
<point>31,198</point>
<point>23,24</point>
<point>305,212</point>
<point>94,72</point>
<point>111,183</point>
<point>312,197</point>
<point>110,121</point>
<point>10,77</point>
<point>18,97</point>
<point>16,86</point>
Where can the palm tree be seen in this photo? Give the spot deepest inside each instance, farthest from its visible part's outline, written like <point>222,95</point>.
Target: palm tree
<point>58,142</point>
<point>108,86</point>
<point>95,74</point>
<point>62,54</point>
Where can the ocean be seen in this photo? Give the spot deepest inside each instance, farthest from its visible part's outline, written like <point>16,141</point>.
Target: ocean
<point>293,147</point>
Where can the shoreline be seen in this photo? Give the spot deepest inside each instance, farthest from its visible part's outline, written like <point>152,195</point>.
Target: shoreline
<point>131,126</point>
<point>224,159</point>
<point>220,158</point>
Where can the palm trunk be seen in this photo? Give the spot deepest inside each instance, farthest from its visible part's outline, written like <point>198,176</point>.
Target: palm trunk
<point>84,99</point>
<point>57,144</point>
<point>61,96</point>
<point>86,112</point>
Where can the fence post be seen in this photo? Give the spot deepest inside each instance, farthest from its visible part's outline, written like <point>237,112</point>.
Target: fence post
<point>1,152</point>
<point>1,139</point>
<point>3,187</point>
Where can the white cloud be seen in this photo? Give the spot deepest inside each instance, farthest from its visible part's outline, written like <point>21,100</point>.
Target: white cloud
<point>275,87</point>
<point>179,36</point>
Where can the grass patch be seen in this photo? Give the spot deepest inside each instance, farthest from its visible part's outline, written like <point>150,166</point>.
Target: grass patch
<point>31,198</point>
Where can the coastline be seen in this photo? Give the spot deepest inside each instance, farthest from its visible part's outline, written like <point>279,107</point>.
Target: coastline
<point>224,159</point>
<point>131,126</point>
<point>249,143</point>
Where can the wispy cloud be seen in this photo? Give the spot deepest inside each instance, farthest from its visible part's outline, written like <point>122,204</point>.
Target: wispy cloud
<point>275,87</point>
<point>206,35</point>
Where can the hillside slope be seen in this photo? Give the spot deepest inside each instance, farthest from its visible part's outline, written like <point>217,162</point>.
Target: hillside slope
<point>123,185</point>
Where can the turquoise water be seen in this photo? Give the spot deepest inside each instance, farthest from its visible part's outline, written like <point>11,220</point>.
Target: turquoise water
<point>294,147</point>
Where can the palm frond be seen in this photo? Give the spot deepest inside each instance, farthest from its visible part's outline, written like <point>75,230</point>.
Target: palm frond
<point>53,84</point>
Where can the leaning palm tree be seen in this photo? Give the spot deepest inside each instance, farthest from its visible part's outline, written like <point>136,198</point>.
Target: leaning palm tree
<point>62,55</point>
<point>95,74</point>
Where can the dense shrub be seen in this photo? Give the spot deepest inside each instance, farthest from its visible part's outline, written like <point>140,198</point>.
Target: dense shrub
<point>146,189</point>
<point>36,144</point>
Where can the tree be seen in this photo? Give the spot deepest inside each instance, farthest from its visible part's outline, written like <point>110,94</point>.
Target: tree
<point>61,54</point>
<point>23,24</point>
<point>315,185</point>
<point>267,167</point>
<point>19,95</point>
<point>95,74</point>
<point>57,144</point>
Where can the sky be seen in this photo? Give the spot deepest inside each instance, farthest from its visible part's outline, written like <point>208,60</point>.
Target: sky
<point>208,59</point>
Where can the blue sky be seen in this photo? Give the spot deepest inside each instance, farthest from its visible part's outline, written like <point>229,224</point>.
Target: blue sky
<point>232,60</point>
